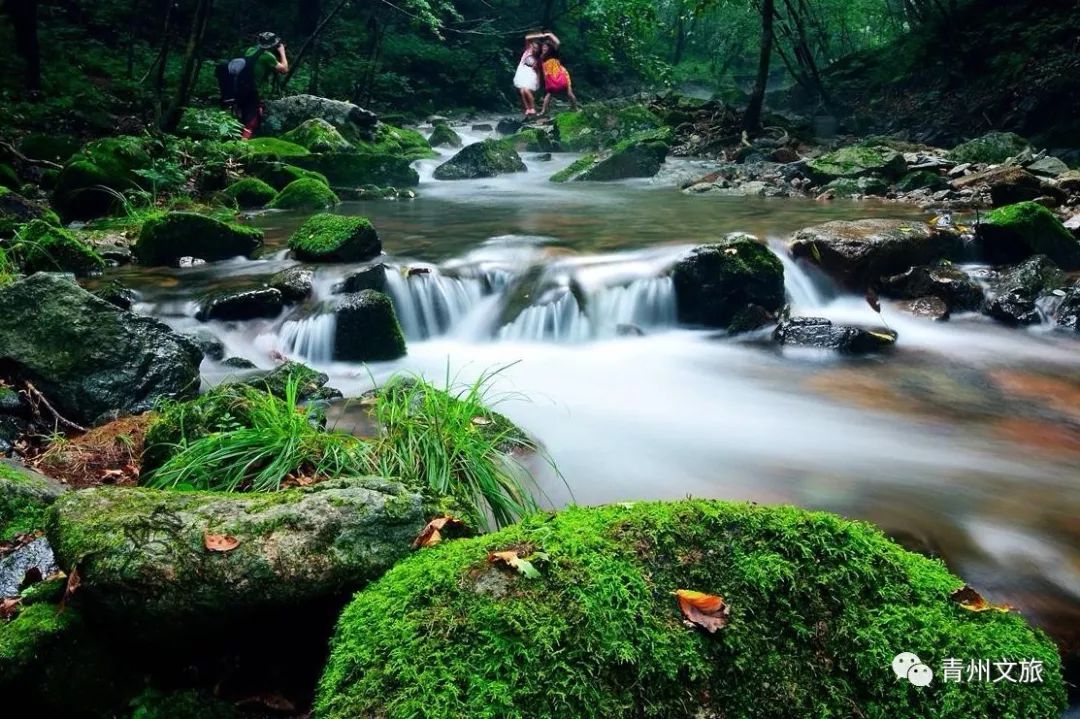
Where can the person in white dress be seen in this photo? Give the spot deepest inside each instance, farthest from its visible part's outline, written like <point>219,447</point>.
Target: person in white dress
<point>527,76</point>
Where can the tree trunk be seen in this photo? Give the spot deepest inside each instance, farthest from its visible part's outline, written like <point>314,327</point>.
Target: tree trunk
<point>752,118</point>
<point>187,73</point>
<point>24,21</point>
<point>294,63</point>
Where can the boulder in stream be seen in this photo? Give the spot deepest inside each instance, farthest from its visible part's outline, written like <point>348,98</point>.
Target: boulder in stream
<point>990,149</point>
<point>305,194</point>
<point>86,355</point>
<point>734,284</point>
<point>318,135</point>
<point>249,193</point>
<point>239,305</point>
<point>821,333</point>
<point>945,281</point>
<point>442,135</point>
<point>859,252</point>
<point>627,160</point>
<point>335,238</point>
<point>857,161</point>
<point>1016,293</point>
<point>350,169</point>
<point>295,283</point>
<point>481,159</point>
<point>366,328</point>
<point>1016,232</point>
<point>288,113</point>
<point>164,240</point>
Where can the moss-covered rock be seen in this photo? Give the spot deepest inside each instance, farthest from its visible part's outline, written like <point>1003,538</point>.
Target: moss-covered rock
<point>857,161</point>
<point>575,168</point>
<point>280,175</point>
<point>991,148</point>
<point>356,169</point>
<point>818,607</point>
<point>87,186</point>
<point>736,284</point>
<point>335,238</point>
<point>166,238</point>
<point>531,139</point>
<point>629,159</point>
<point>286,113</point>
<point>921,180</point>
<point>88,357</point>
<point>398,142</point>
<point>42,247</point>
<point>305,194</point>
<point>24,497</point>
<point>857,186</point>
<point>858,253</point>
<point>187,704</point>
<point>1015,232</point>
<point>16,210</point>
<point>273,148</point>
<point>249,193</point>
<point>487,158</point>
<point>366,328</point>
<point>442,135</point>
<point>52,148</point>
<point>318,135</point>
<point>601,125</point>
<point>142,553</point>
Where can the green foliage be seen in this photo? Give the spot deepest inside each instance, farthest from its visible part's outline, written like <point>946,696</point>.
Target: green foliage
<point>390,140</point>
<point>42,247</point>
<point>819,606</point>
<point>318,135</point>
<point>189,704</point>
<point>272,148</point>
<point>305,194</point>
<point>201,123</point>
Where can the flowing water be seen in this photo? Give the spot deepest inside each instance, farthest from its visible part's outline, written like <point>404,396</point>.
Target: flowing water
<point>963,442</point>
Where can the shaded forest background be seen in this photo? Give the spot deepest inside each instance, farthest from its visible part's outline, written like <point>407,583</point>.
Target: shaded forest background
<point>940,69</point>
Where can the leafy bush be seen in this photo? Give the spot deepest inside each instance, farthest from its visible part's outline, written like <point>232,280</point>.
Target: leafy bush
<point>203,123</point>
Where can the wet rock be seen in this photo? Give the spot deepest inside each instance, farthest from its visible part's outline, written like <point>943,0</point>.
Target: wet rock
<point>280,175</point>
<point>483,127</point>
<point>1048,166</point>
<point>295,283</point>
<point>238,363</point>
<point>726,284</point>
<point>230,306</point>
<point>164,240</point>
<point>949,283</point>
<point>110,163</point>
<point>991,148</point>
<point>15,210</point>
<point>369,278</point>
<point>856,187</point>
<point>318,135</point>
<point>367,328</point>
<point>921,180</point>
<point>605,124</point>
<point>141,552</point>
<point>857,253</point>
<point>24,497</point>
<point>117,294</point>
<point>508,126</point>
<point>42,247</point>
<point>444,136</point>
<point>482,159</point>
<point>335,238</point>
<point>542,157</point>
<point>1008,185</point>
<point>288,113</point>
<point>1016,292</point>
<point>206,341</point>
<point>249,193</point>
<point>1013,233</point>
<point>36,556</point>
<point>857,161</point>
<point>626,330</point>
<point>637,159</point>
<point>87,356</point>
<point>821,333</point>
<point>356,169</point>
<point>1069,181</point>
<point>532,139</point>
<point>1067,313</point>
<point>310,384</point>
<point>305,194</point>
<point>933,308</point>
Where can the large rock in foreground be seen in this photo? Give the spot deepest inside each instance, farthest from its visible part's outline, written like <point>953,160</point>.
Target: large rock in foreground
<point>86,355</point>
<point>143,553</point>
<point>1016,232</point>
<point>289,113</point>
<point>816,608</point>
<point>858,253</point>
<point>737,285</point>
<point>481,159</point>
<point>366,328</point>
<point>164,240</point>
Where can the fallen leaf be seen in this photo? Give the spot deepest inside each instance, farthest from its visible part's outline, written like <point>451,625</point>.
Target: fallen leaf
<point>512,560</point>
<point>707,611</point>
<point>431,534</point>
<point>9,607</point>
<point>972,601</point>
<point>220,542</point>
<point>73,582</point>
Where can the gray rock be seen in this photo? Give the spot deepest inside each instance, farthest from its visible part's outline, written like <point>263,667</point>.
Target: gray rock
<point>1048,167</point>
<point>949,283</point>
<point>482,159</point>
<point>369,278</point>
<point>208,342</point>
<point>288,113</point>
<point>295,283</point>
<point>933,308</point>
<point>367,328</point>
<point>1017,291</point>
<point>444,136</point>
<point>241,305</point>
<point>821,333</point>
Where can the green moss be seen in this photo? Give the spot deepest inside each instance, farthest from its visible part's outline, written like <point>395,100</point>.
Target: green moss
<point>819,606</point>
<point>189,704</point>
<point>305,194</point>
<point>165,238</point>
<point>54,148</point>
<point>16,210</point>
<point>921,179</point>
<point>111,164</point>
<point>24,498</point>
<point>279,175</point>
<point>318,135</point>
<point>41,247</point>
<point>991,148</point>
<point>531,139</point>
<point>851,186</point>
<point>8,177</point>
<point>1037,229</point>
<point>33,631</point>
<point>356,169</point>
<point>442,135</point>
<point>249,192</point>
<point>857,161</point>
<point>600,125</point>
<point>397,141</point>
<point>335,238</point>
<point>272,147</point>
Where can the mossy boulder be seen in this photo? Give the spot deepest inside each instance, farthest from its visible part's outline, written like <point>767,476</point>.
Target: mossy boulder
<point>24,497</point>
<point>601,125</point>
<point>280,175</point>
<point>249,193</point>
<point>1016,232</point>
<point>860,252</point>
<point>352,121</point>
<point>318,135</point>
<point>52,148</point>
<point>16,210</point>
<point>397,142</point>
<point>88,357</point>
<point>575,168</point>
<point>86,188</point>
<point>487,158</point>
<point>273,148</point>
<point>817,607</point>
<point>42,247</point>
<point>992,148</point>
<point>335,238</point>
<point>166,238</point>
<point>736,284</point>
<point>531,139</point>
<point>857,161</point>
<point>367,328</point>
<point>347,169</point>
<point>628,160</point>
<point>142,553</point>
<point>305,194</point>
<point>857,186</point>
<point>442,135</point>
<point>921,180</point>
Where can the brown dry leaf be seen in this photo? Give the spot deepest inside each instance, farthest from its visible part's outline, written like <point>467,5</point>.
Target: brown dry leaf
<point>73,582</point>
<point>432,533</point>
<point>972,601</point>
<point>220,542</point>
<point>512,560</point>
<point>707,611</point>
<point>9,607</point>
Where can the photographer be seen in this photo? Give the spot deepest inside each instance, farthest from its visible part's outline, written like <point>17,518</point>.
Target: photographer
<point>259,65</point>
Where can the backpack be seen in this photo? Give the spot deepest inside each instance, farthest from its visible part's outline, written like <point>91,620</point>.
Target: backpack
<point>236,79</point>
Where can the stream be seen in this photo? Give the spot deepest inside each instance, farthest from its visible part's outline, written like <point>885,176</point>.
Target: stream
<point>963,442</point>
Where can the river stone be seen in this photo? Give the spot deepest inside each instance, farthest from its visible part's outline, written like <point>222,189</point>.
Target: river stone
<point>318,135</point>
<point>369,278</point>
<point>241,305</point>
<point>856,161</point>
<point>249,193</point>
<point>857,186</point>
<point>87,356</point>
<point>1013,233</point>
<point>165,240</point>
<point>929,307</point>
<point>1067,313</point>
<point>116,293</point>
<point>347,169</point>
<point>367,328</point>
<point>442,135</point>
<point>141,553</point>
<point>638,159</point>
<point>295,283</point>
<point>335,238</point>
<point>288,113</point>
<point>821,333</point>
<point>734,284</point>
<point>310,384</point>
<point>857,253</point>
<point>1049,166</point>
<point>1017,291</point>
<point>481,159</point>
<point>949,283</point>
<point>211,346</point>
<point>992,148</point>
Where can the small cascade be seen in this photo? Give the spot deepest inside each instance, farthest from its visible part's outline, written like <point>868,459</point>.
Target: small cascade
<point>310,338</point>
<point>560,321</point>
<point>803,290</point>
<point>429,303</point>
<point>644,303</point>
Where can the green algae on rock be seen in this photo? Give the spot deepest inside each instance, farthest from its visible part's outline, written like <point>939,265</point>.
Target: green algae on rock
<point>991,148</point>
<point>335,238</point>
<point>43,247</point>
<point>1016,232</point>
<point>367,328</point>
<point>349,169</point>
<point>318,135</point>
<point>24,497</point>
<point>819,606</point>
<point>249,193</point>
<point>487,158</point>
<point>857,161</point>
<point>305,194</point>
<point>165,239</point>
